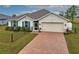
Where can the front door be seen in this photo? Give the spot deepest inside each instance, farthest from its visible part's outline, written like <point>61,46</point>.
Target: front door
<point>36,27</point>
<point>26,24</point>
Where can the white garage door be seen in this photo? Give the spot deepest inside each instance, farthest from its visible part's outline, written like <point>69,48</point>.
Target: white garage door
<point>52,27</point>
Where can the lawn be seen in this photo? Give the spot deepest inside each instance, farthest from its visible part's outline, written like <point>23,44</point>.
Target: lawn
<point>76,20</point>
<point>73,39</point>
<point>20,40</point>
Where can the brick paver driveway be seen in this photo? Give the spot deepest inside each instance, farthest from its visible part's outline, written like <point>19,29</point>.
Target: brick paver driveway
<point>46,43</point>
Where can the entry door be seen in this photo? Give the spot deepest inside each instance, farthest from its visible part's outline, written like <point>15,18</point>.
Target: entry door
<point>36,25</point>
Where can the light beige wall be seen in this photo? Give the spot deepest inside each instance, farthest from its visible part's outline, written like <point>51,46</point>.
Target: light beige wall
<point>52,18</point>
<point>25,19</point>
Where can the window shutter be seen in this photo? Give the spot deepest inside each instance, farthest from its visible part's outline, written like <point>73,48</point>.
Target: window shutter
<point>16,23</point>
<point>23,24</point>
<point>28,23</point>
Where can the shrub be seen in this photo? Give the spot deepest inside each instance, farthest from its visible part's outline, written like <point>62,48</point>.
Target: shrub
<point>22,28</point>
<point>17,29</point>
<point>7,28</point>
<point>11,28</point>
<point>27,29</point>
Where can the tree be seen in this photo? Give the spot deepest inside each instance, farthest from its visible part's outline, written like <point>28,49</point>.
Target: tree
<point>66,14</point>
<point>71,12</point>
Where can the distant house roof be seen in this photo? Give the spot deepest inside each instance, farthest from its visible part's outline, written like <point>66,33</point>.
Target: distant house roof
<point>2,16</point>
<point>3,19</point>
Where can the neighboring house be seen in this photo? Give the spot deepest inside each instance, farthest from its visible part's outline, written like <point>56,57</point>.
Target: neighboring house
<point>3,19</point>
<point>42,20</point>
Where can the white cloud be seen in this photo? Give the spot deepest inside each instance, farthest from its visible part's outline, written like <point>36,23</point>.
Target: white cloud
<point>23,12</point>
<point>53,8</point>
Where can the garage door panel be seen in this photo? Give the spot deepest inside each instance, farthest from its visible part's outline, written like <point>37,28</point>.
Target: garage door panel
<point>53,27</point>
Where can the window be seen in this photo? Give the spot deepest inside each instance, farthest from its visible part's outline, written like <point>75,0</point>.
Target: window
<point>26,23</point>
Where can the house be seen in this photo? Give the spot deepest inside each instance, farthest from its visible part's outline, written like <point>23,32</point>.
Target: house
<point>3,19</point>
<point>42,20</point>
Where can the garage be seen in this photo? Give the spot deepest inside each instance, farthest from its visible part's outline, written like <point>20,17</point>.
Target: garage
<point>52,27</point>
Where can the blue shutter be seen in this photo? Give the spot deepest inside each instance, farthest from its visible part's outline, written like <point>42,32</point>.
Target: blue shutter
<point>23,24</point>
<point>16,23</point>
<point>28,23</point>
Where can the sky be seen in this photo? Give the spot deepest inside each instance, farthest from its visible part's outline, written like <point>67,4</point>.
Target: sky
<point>22,9</point>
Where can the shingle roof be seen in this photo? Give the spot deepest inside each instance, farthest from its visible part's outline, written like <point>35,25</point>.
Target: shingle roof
<point>2,16</point>
<point>35,15</point>
<point>38,14</point>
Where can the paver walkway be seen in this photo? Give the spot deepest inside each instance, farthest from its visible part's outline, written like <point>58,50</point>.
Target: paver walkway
<point>46,43</point>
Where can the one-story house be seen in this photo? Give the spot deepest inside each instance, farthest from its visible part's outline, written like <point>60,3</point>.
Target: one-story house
<point>3,19</point>
<point>42,20</point>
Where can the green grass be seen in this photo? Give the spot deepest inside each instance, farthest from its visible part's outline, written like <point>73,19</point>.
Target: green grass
<point>76,20</point>
<point>20,40</point>
<point>73,39</point>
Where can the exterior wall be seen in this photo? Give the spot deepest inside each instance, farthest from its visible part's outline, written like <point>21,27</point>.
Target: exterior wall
<point>25,19</point>
<point>69,26</point>
<point>20,22</point>
<point>2,22</point>
<point>52,18</point>
<point>9,23</point>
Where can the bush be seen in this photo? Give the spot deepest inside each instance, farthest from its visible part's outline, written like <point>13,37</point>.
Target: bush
<point>27,29</point>
<point>7,28</point>
<point>11,28</point>
<point>17,29</point>
<point>22,28</point>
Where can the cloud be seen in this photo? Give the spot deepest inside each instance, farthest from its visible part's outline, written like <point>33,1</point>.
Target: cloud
<point>24,12</point>
<point>53,8</point>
